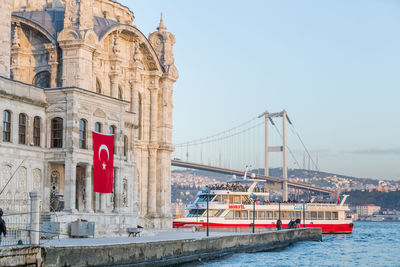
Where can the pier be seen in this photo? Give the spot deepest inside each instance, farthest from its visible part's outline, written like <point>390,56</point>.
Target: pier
<point>167,248</point>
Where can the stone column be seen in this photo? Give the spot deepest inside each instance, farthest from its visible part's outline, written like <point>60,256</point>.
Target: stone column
<point>70,185</point>
<point>114,85</point>
<point>5,37</point>
<point>35,218</point>
<point>152,193</point>
<point>88,188</point>
<point>144,180</point>
<point>118,190</point>
<point>53,62</point>
<point>103,202</point>
<point>133,98</point>
<point>153,114</point>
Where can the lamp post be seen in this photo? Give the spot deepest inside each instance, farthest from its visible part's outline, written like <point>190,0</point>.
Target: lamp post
<point>304,213</point>
<point>254,198</point>
<point>207,191</point>
<point>279,207</point>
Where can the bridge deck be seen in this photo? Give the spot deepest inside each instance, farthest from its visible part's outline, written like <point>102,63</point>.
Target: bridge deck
<point>178,163</point>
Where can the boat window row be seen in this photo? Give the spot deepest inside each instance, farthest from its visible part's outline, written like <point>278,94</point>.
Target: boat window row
<point>203,198</point>
<point>236,188</point>
<point>239,199</point>
<point>285,215</point>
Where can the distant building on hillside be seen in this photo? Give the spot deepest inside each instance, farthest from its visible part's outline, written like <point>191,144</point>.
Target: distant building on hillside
<point>367,210</point>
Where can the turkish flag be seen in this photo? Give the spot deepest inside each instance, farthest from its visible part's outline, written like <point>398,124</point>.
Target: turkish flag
<point>103,162</point>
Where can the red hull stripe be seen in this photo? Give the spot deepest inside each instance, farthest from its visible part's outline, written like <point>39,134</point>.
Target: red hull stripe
<point>326,228</point>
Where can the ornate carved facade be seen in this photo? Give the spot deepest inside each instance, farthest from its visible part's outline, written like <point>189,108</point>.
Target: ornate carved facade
<point>93,70</point>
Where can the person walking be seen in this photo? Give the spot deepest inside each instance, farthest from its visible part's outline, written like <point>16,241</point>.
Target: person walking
<point>3,229</point>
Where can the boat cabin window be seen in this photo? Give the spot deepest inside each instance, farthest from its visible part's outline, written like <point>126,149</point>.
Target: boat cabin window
<point>195,212</point>
<point>203,198</point>
<point>212,213</point>
<point>335,215</point>
<point>234,199</point>
<point>269,215</point>
<point>261,214</point>
<point>243,214</point>
<point>229,215</point>
<point>314,215</point>
<point>308,215</point>
<point>221,199</point>
<point>328,215</point>
<point>320,215</point>
<point>298,214</point>
<point>292,215</point>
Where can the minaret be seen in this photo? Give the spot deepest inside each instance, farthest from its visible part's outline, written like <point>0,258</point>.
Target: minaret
<point>5,37</point>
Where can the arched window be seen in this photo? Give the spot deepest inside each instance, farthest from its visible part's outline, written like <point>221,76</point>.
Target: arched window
<point>98,86</point>
<point>57,133</point>
<point>36,131</point>
<point>42,79</point>
<point>112,131</point>
<point>97,127</point>
<point>22,129</point>
<point>125,145</point>
<point>120,95</point>
<point>6,126</point>
<point>82,134</point>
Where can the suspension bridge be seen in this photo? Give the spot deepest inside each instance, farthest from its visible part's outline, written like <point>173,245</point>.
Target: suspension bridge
<point>249,145</point>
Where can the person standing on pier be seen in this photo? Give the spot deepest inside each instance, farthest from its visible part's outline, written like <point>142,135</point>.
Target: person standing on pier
<point>278,224</point>
<point>3,229</point>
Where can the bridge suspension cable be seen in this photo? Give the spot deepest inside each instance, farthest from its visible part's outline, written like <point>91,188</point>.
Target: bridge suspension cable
<point>201,140</point>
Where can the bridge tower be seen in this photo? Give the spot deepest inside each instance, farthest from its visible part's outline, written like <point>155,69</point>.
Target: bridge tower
<point>283,148</point>
<point>5,37</point>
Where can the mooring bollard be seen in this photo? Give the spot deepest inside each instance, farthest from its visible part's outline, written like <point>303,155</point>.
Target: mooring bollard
<point>35,218</point>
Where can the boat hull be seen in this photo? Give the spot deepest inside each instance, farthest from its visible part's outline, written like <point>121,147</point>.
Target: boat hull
<point>344,228</point>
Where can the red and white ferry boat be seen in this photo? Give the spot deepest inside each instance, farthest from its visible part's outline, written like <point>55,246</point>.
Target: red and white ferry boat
<point>231,206</point>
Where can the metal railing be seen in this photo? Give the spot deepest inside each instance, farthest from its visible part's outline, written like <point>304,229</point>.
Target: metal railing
<point>18,230</point>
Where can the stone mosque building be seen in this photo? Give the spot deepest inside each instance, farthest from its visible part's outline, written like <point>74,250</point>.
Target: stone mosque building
<point>70,67</point>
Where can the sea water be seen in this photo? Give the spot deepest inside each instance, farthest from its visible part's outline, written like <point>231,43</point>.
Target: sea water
<point>370,244</point>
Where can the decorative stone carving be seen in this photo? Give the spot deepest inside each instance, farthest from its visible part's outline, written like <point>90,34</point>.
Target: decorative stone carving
<point>37,177</point>
<point>99,113</point>
<point>56,108</point>
<point>125,193</point>
<point>54,190</point>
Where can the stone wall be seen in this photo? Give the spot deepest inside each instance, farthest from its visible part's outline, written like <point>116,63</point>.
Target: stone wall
<point>169,252</point>
<point>5,36</point>
<point>26,256</point>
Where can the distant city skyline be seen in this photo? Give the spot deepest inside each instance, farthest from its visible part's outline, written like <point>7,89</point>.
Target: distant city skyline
<point>333,65</point>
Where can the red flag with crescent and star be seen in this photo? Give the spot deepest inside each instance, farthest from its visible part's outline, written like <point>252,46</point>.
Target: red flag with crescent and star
<point>103,162</point>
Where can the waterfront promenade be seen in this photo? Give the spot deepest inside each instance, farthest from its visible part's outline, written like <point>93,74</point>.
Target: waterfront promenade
<point>167,248</point>
<point>152,249</point>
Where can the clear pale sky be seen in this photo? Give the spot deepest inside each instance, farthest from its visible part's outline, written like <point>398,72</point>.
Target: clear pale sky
<point>333,65</point>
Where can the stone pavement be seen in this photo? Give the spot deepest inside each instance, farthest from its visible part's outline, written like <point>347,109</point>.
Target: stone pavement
<point>161,236</point>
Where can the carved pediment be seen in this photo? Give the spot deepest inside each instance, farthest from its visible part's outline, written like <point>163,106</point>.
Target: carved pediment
<point>99,113</point>
<point>56,108</point>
